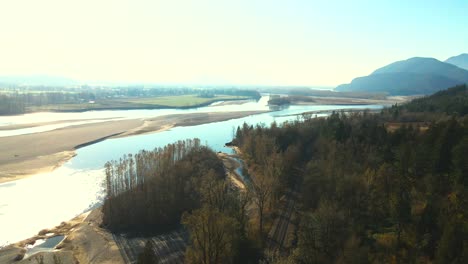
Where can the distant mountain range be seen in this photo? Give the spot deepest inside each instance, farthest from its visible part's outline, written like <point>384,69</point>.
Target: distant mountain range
<point>461,61</point>
<point>412,76</point>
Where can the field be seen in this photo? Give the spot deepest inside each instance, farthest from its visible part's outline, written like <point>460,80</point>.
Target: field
<point>179,101</point>
<point>182,100</point>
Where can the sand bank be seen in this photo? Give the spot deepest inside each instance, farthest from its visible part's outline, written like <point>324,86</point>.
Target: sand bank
<point>24,155</point>
<point>85,242</point>
<point>31,125</point>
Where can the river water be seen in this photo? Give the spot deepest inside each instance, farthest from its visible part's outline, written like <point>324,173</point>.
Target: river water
<point>79,118</point>
<point>44,200</point>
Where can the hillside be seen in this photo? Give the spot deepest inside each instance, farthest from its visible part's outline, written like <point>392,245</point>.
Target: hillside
<point>460,61</point>
<point>453,101</point>
<point>401,83</point>
<point>425,66</point>
<point>412,76</point>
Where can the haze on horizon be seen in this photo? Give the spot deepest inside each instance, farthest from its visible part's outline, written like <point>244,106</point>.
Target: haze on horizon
<point>262,42</point>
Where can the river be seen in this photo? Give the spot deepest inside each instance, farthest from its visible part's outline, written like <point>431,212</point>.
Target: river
<point>44,200</point>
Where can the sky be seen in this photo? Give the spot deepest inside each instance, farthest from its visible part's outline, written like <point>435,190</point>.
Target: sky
<point>250,42</point>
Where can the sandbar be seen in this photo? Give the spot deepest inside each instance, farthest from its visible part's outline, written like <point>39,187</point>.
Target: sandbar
<point>26,155</point>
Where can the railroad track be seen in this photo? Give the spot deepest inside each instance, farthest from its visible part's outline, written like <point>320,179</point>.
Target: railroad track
<point>168,248</point>
<point>279,230</point>
<point>127,248</point>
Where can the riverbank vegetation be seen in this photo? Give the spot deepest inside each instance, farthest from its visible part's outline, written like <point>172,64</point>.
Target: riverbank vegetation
<point>299,92</point>
<point>181,184</point>
<point>370,194</point>
<point>338,98</point>
<point>22,100</point>
<point>154,188</point>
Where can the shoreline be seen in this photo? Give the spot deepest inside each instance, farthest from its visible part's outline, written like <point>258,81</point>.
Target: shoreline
<point>318,100</point>
<point>346,110</point>
<point>84,241</point>
<point>84,236</point>
<point>23,156</point>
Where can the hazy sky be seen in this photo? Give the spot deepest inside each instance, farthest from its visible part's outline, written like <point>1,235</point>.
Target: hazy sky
<point>287,42</point>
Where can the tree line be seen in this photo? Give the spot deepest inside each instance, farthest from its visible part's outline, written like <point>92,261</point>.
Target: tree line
<point>182,184</point>
<point>370,194</point>
<point>149,191</point>
<point>19,101</point>
<point>11,105</point>
<point>453,101</point>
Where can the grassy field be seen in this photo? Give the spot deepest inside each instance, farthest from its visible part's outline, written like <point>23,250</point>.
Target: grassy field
<point>181,101</point>
<point>138,103</point>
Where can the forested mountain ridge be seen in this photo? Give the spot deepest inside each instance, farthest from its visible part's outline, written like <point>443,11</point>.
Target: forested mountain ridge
<point>453,101</point>
<point>413,76</point>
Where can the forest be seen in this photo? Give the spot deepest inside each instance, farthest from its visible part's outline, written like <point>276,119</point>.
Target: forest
<point>155,187</point>
<point>370,194</point>
<point>389,187</point>
<point>180,185</point>
<point>452,101</point>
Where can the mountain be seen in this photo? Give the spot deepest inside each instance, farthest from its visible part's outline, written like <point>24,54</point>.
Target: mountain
<point>401,83</point>
<point>412,76</point>
<point>461,61</point>
<point>36,80</point>
<point>425,66</point>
